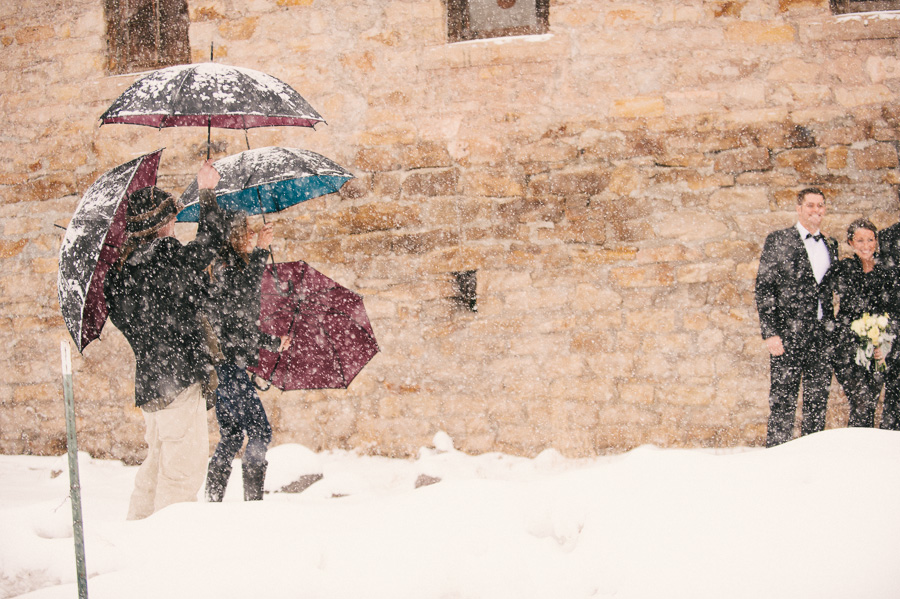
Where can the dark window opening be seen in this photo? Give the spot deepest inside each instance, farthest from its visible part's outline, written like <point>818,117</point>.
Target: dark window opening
<point>146,34</point>
<point>479,19</point>
<point>466,286</point>
<point>842,7</point>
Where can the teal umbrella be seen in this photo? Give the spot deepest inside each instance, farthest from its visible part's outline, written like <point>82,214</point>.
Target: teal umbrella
<point>268,180</point>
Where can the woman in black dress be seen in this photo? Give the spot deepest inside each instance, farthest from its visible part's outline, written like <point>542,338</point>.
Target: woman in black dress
<point>864,284</point>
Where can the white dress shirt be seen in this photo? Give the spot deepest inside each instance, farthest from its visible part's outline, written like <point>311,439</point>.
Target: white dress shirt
<point>819,257</point>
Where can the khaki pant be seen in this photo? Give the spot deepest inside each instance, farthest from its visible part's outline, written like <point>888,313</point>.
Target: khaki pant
<point>175,467</point>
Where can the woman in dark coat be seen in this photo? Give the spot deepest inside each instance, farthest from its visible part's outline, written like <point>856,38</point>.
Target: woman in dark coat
<point>233,309</point>
<point>864,284</point>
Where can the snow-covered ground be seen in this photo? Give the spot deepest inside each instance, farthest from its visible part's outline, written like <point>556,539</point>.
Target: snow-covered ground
<point>816,518</point>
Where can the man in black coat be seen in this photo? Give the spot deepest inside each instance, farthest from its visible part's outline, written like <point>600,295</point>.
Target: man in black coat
<point>796,315</point>
<point>889,253</point>
<point>153,294</point>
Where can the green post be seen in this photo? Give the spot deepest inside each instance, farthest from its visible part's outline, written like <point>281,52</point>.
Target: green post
<point>74,481</point>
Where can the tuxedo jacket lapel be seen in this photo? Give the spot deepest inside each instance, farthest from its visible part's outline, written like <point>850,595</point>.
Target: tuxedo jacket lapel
<point>803,266</point>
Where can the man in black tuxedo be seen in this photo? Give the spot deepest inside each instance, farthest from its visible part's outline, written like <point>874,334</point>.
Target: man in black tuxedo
<point>889,253</point>
<point>796,317</point>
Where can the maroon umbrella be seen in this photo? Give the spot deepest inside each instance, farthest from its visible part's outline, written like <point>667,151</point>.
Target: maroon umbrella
<point>92,242</point>
<point>332,336</point>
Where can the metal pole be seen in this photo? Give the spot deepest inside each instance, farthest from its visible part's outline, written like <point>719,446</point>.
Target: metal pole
<point>74,480</point>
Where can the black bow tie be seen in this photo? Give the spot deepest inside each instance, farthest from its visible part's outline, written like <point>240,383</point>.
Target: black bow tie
<point>816,237</point>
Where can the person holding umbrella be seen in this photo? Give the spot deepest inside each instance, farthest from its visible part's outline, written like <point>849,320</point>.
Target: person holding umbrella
<point>233,306</point>
<point>153,294</point>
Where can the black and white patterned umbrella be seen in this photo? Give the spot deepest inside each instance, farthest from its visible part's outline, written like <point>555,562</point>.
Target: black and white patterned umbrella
<point>211,95</point>
<point>266,180</point>
<point>92,243</point>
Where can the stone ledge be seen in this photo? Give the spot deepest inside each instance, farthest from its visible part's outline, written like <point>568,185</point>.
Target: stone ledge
<point>853,27</point>
<point>495,51</point>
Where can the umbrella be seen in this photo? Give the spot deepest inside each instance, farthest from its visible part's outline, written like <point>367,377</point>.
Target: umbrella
<point>267,180</point>
<point>92,242</point>
<point>332,336</point>
<point>211,95</point>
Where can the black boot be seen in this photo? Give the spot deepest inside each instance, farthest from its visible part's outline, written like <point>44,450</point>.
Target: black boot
<point>254,477</point>
<point>217,480</point>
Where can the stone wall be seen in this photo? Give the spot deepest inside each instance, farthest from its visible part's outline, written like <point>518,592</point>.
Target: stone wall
<point>611,183</point>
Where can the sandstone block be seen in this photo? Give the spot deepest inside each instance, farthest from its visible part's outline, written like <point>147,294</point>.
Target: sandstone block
<point>740,199</point>
<point>704,272</point>
<point>695,180</point>
<point>710,340</point>
<point>495,281</point>
<point>697,370</point>
<point>531,209</point>
<point>639,107</point>
<point>876,156</point>
<point>591,297</point>
<point>375,159</point>
<point>45,188</point>
<point>851,97</point>
<point>582,230</point>
<point>760,32</point>
<point>421,243</point>
<point>650,320</point>
<point>591,256</point>
<point>238,29</point>
<point>656,275</point>
<point>689,226</point>
<point>435,183</point>
<point>673,343</point>
<point>10,249</point>
<point>546,150</point>
<point>806,162</point>
<point>368,244</point>
<point>694,320</point>
<point>611,365</point>
<point>376,216</point>
<point>39,392</point>
<point>621,415</point>
<point>562,366</point>
<point>591,342</point>
<point>396,134</point>
<point>492,183</point>
<point>736,250</point>
<point>34,34</point>
<point>795,69</point>
<point>537,299</point>
<point>425,154</point>
<point>745,159</point>
<point>668,253</point>
<point>636,393</point>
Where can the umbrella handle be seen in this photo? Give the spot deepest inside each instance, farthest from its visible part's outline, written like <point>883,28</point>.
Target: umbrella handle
<point>257,379</point>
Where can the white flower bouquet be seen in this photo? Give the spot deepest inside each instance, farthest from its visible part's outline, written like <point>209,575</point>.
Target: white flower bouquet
<point>872,332</point>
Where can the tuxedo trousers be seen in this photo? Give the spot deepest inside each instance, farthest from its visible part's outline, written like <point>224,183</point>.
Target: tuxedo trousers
<point>807,362</point>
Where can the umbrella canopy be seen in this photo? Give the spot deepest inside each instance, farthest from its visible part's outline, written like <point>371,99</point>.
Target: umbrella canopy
<point>267,180</point>
<point>92,242</point>
<point>332,336</point>
<point>211,95</point>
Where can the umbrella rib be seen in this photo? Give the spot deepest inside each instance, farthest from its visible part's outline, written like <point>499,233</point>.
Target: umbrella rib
<point>177,91</point>
<point>340,364</point>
